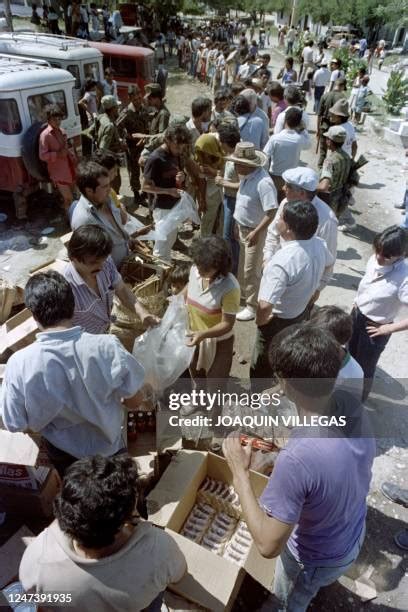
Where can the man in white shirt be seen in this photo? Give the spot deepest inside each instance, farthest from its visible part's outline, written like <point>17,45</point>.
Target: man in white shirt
<point>293,99</point>
<point>308,63</point>
<point>283,149</point>
<point>252,97</point>
<point>336,72</point>
<point>290,39</point>
<point>255,207</point>
<point>301,184</point>
<point>339,114</point>
<point>321,79</point>
<point>291,280</point>
<point>68,385</point>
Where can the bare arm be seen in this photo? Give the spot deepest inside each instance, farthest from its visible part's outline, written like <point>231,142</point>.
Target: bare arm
<point>130,301</point>
<point>226,324</point>
<point>263,313</point>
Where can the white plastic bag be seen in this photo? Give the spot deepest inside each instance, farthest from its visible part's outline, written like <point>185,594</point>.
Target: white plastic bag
<point>162,350</point>
<point>184,209</point>
<point>133,225</point>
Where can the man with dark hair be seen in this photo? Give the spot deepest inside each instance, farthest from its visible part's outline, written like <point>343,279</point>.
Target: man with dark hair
<point>294,99</point>
<point>96,549</point>
<point>221,101</point>
<point>283,149</point>
<point>134,121</point>
<point>311,513</point>
<point>291,280</point>
<point>276,91</point>
<point>94,279</point>
<point>200,117</point>
<point>95,207</point>
<point>154,98</point>
<point>70,386</point>
<point>164,177</point>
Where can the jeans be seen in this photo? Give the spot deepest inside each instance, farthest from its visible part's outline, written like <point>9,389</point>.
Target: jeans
<point>156,604</point>
<point>289,49</point>
<point>228,233</point>
<point>297,583</point>
<point>365,349</point>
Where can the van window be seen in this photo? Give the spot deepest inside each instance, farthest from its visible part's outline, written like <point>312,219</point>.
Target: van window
<point>37,104</point>
<point>10,122</point>
<point>74,70</point>
<point>91,71</point>
<point>145,68</point>
<point>122,67</point>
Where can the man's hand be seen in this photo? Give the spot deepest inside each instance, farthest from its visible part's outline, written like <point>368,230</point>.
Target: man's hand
<point>381,330</point>
<point>180,177</point>
<point>174,192</point>
<point>194,339</point>
<point>150,320</point>
<point>143,230</point>
<point>252,238</point>
<point>219,180</point>
<point>238,457</point>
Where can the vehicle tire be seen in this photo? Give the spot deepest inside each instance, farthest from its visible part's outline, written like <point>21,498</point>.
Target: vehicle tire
<point>34,165</point>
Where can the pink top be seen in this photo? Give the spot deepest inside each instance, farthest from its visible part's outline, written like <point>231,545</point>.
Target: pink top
<point>54,151</point>
<point>280,106</point>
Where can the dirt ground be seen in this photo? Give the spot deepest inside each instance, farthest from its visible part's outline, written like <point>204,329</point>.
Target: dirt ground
<point>382,185</point>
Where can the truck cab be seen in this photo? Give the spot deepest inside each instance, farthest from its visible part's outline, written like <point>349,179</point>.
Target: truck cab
<point>26,88</point>
<point>76,56</point>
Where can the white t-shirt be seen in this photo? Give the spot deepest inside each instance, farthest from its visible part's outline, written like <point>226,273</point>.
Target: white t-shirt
<point>307,54</point>
<point>321,77</point>
<point>280,121</point>
<point>351,137</point>
<point>336,74</point>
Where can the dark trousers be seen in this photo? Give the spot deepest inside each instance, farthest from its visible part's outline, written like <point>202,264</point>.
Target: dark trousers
<point>364,349</point>
<point>318,93</point>
<point>229,233</point>
<point>62,460</point>
<point>260,366</point>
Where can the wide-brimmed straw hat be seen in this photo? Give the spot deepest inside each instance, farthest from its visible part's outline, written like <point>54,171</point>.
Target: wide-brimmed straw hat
<point>245,153</point>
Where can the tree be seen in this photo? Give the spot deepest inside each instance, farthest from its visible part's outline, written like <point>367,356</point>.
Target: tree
<point>8,15</point>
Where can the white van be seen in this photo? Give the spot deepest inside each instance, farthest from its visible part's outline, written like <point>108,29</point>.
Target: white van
<point>76,56</point>
<point>26,88</point>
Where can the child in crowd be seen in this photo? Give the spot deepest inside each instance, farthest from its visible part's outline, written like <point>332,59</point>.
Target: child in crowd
<point>179,277</point>
<point>340,325</point>
<point>361,102</point>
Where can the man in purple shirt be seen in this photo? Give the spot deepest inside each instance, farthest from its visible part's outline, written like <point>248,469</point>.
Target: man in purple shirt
<point>312,511</point>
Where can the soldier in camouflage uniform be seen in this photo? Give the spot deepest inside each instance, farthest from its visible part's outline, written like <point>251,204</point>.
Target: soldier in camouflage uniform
<point>108,137</point>
<point>133,122</point>
<point>323,116</point>
<point>334,176</point>
<point>154,98</point>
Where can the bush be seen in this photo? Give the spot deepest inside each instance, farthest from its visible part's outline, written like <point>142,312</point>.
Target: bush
<point>396,94</point>
<point>354,66</point>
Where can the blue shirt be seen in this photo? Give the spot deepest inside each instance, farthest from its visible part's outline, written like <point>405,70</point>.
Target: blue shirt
<point>252,129</point>
<point>68,386</point>
<point>321,484</point>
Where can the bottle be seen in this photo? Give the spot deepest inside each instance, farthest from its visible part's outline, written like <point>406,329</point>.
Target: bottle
<point>131,427</point>
<point>151,422</point>
<point>141,422</point>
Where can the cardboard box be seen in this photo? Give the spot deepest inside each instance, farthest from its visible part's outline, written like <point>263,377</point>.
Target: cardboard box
<point>18,331</point>
<point>20,450</point>
<point>212,581</point>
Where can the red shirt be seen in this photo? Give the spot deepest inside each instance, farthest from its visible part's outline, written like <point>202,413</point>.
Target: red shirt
<point>53,150</point>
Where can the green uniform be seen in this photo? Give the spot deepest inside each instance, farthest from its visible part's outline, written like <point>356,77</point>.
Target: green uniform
<point>327,101</point>
<point>336,168</point>
<point>160,121</point>
<point>133,121</point>
<point>108,134</point>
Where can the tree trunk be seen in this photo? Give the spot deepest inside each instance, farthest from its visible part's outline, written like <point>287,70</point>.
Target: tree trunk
<point>8,15</point>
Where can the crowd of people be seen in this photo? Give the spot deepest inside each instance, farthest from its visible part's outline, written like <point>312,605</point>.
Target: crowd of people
<point>264,251</point>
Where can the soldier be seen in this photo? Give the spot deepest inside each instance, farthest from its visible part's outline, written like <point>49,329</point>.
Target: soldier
<point>134,121</point>
<point>334,177</point>
<point>154,98</point>
<point>108,136</point>
<point>327,101</point>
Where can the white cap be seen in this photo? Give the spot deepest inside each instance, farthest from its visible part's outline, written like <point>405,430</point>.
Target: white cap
<point>305,178</point>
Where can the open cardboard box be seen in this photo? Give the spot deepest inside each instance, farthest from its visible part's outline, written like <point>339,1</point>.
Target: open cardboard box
<point>212,581</point>
<point>18,331</point>
<point>19,454</point>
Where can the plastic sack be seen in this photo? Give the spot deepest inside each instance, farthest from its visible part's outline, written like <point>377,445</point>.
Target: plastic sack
<point>133,225</point>
<point>162,350</point>
<point>184,209</point>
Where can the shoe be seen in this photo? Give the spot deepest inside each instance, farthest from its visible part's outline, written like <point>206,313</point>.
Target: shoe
<point>401,539</point>
<point>400,206</point>
<point>347,227</point>
<point>395,493</point>
<point>247,314</point>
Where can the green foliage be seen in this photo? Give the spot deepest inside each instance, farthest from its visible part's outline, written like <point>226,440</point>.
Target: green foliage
<point>354,66</point>
<point>345,58</point>
<point>396,95</point>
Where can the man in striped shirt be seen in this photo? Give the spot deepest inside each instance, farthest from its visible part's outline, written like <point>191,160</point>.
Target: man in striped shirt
<point>94,280</point>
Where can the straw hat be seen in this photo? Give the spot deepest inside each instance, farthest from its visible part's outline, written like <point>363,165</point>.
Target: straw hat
<point>245,153</point>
